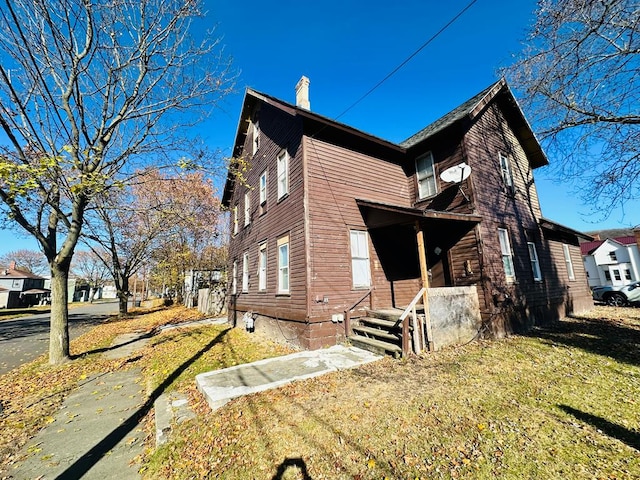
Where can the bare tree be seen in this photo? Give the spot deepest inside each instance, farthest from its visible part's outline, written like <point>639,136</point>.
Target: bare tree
<point>30,260</point>
<point>89,267</point>
<point>580,76</point>
<point>166,218</point>
<point>89,91</point>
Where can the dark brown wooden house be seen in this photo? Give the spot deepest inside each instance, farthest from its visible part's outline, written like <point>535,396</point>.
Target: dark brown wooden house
<point>327,220</point>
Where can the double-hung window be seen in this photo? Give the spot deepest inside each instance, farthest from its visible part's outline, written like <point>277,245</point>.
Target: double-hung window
<point>283,265</point>
<point>234,278</point>
<point>235,220</point>
<point>263,187</point>
<point>360,265</point>
<point>505,171</point>
<point>283,174</point>
<point>262,267</point>
<point>507,256</point>
<point>568,262</point>
<point>245,272</point>
<point>426,176</point>
<point>255,138</point>
<point>247,208</point>
<point>535,264</point>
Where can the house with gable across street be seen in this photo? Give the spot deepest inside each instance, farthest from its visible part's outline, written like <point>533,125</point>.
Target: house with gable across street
<point>338,235</point>
<point>612,261</point>
<point>20,288</point>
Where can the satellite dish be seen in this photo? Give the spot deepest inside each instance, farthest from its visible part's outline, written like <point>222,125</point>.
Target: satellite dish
<point>456,174</point>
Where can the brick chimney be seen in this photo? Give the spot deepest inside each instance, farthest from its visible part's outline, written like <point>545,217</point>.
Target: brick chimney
<point>302,93</point>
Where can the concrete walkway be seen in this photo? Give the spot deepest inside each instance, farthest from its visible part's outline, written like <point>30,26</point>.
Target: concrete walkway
<point>220,386</point>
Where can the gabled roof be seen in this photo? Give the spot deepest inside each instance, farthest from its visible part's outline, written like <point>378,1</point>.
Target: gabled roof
<point>8,272</point>
<point>470,110</point>
<point>589,247</point>
<point>473,107</point>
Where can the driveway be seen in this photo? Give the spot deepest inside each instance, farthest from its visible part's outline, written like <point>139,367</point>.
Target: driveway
<point>23,339</point>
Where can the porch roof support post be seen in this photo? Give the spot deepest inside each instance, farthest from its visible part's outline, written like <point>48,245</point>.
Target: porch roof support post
<point>424,273</point>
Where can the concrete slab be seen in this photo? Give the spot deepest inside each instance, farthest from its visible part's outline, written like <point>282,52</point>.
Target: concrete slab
<point>220,386</point>
<point>170,408</point>
<point>95,434</point>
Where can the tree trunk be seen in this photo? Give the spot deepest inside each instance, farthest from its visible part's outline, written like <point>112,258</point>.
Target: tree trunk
<point>59,333</point>
<point>122,287</point>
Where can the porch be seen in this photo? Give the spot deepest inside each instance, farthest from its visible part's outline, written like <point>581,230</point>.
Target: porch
<point>454,318</point>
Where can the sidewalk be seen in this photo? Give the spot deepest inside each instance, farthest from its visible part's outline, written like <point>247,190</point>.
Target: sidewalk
<point>96,433</point>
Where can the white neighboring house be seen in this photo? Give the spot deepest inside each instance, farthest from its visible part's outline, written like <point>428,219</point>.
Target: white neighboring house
<point>614,261</point>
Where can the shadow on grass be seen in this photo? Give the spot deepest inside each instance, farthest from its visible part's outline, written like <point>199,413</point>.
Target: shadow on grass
<point>149,334</point>
<point>294,463</point>
<point>614,430</point>
<point>93,456</point>
<point>602,337</point>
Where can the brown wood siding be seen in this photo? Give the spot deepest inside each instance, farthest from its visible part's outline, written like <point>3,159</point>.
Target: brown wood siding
<point>276,219</point>
<point>448,150</point>
<point>513,306</point>
<point>336,177</point>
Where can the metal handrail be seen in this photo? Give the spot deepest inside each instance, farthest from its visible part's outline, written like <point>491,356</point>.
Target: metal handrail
<point>347,312</point>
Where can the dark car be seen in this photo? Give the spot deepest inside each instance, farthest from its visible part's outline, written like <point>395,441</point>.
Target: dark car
<point>618,295</point>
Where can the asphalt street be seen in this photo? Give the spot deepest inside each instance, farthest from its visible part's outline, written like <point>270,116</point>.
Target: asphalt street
<point>23,339</point>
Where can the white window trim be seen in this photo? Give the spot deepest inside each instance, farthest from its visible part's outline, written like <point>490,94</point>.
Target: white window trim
<point>507,254</point>
<point>245,272</point>
<point>535,263</point>
<point>506,172</point>
<point>234,278</point>
<point>284,269</point>
<point>255,138</point>
<point>568,262</point>
<point>247,208</point>
<point>235,220</point>
<point>262,267</point>
<point>283,174</point>
<point>360,257</point>
<point>263,188</point>
<point>429,178</point>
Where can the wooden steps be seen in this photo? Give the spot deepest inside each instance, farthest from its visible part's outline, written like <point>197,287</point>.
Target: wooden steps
<point>378,332</point>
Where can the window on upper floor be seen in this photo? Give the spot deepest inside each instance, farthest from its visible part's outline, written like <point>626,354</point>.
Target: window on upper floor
<point>283,174</point>
<point>426,176</point>
<point>535,264</point>
<point>283,265</point>
<point>263,188</point>
<point>568,262</point>
<point>262,267</point>
<point>234,214</point>
<point>255,138</point>
<point>613,256</point>
<point>507,256</point>
<point>505,172</point>
<point>247,208</point>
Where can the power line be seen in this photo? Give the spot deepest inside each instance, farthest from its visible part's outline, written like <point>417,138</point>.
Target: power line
<point>408,59</point>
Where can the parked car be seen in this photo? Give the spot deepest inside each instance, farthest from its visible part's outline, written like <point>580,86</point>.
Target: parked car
<point>619,295</point>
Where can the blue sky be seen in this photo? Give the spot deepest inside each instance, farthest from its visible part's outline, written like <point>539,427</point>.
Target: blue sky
<point>345,47</point>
